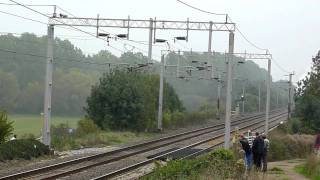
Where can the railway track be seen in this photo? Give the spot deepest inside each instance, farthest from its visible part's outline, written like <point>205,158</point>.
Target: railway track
<point>258,125</point>
<point>80,164</point>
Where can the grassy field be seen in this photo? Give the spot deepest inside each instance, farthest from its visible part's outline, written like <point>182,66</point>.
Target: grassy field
<point>32,124</point>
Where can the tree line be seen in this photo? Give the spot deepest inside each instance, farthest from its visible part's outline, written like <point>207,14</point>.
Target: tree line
<point>22,72</point>
<point>307,98</point>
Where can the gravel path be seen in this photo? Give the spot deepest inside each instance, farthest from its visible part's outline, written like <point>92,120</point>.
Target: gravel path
<point>288,170</point>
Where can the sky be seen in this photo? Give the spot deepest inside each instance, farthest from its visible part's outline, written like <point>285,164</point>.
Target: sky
<point>288,28</point>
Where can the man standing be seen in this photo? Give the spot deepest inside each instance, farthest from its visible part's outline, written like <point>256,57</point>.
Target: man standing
<point>247,149</point>
<point>257,150</point>
<point>265,152</point>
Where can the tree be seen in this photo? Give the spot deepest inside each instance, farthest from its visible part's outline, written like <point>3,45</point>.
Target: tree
<point>30,99</point>
<point>308,97</point>
<point>6,127</point>
<point>128,100</point>
<point>9,90</point>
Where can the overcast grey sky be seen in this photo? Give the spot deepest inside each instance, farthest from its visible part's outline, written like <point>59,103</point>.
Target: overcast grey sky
<point>288,28</point>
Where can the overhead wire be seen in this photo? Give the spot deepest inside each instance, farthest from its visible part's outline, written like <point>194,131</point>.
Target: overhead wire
<point>242,35</point>
<point>109,32</point>
<point>193,7</point>
<point>38,12</point>
<point>13,4</point>
<point>121,39</point>
<point>3,12</point>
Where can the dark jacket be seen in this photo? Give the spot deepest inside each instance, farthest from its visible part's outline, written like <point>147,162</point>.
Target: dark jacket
<point>258,145</point>
<point>245,145</point>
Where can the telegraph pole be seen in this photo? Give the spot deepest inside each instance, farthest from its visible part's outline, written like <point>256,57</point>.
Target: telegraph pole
<point>210,37</point>
<point>243,92</point>
<point>268,97</point>
<point>178,64</point>
<point>277,98</point>
<point>46,139</point>
<point>290,96</point>
<point>150,41</point>
<point>219,96</point>
<point>161,93</point>
<point>259,94</point>
<point>229,91</point>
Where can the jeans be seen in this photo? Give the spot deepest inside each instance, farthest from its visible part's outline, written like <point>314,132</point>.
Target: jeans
<point>248,159</point>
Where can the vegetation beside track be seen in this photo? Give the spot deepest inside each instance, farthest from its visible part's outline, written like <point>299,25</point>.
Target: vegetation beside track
<point>26,124</point>
<point>219,164</point>
<point>88,134</point>
<point>284,146</point>
<point>22,149</point>
<point>311,168</point>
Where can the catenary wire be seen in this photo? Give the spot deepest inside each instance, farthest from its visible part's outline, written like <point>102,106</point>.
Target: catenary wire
<point>242,35</point>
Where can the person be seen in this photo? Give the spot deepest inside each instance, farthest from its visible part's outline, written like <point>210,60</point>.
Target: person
<point>13,138</point>
<point>247,151</point>
<point>265,152</point>
<point>257,150</point>
<point>317,145</point>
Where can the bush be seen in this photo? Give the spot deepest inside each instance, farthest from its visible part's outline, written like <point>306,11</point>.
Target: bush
<point>6,127</point>
<point>22,148</point>
<point>62,138</point>
<point>87,126</point>
<point>286,146</point>
<point>220,162</point>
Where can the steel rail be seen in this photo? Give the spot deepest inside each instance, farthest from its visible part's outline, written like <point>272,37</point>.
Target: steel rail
<point>221,143</point>
<point>79,169</point>
<point>88,158</point>
<point>135,166</point>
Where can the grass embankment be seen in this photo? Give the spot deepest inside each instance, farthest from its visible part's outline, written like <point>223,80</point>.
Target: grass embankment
<point>87,134</point>
<point>219,164</point>
<point>311,168</point>
<point>284,146</point>
<point>32,124</point>
<point>26,126</point>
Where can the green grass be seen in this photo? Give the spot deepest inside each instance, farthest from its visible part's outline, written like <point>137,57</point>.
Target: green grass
<point>32,124</point>
<point>301,169</point>
<point>276,170</point>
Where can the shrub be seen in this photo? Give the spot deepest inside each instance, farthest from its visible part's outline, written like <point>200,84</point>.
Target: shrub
<point>6,127</point>
<point>22,148</point>
<point>87,126</point>
<point>285,146</point>
<point>219,162</point>
<point>62,138</point>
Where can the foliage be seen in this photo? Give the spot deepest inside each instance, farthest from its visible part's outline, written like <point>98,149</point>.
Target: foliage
<point>286,146</point>
<point>219,164</point>
<point>61,138</point>
<point>311,169</point>
<point>308,97</point>
<point>9,90</point>
<point>6,127</point>
<point>22,76</point>
<point>22,148</point>
<point>128,100</point>
<point>86,126</point>
<point>88,135</point>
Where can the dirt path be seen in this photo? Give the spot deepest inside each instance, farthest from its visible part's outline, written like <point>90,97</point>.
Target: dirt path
<point>284,170</point>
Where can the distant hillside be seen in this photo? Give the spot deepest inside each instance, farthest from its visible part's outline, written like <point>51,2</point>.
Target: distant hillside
<point>22,72</point>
